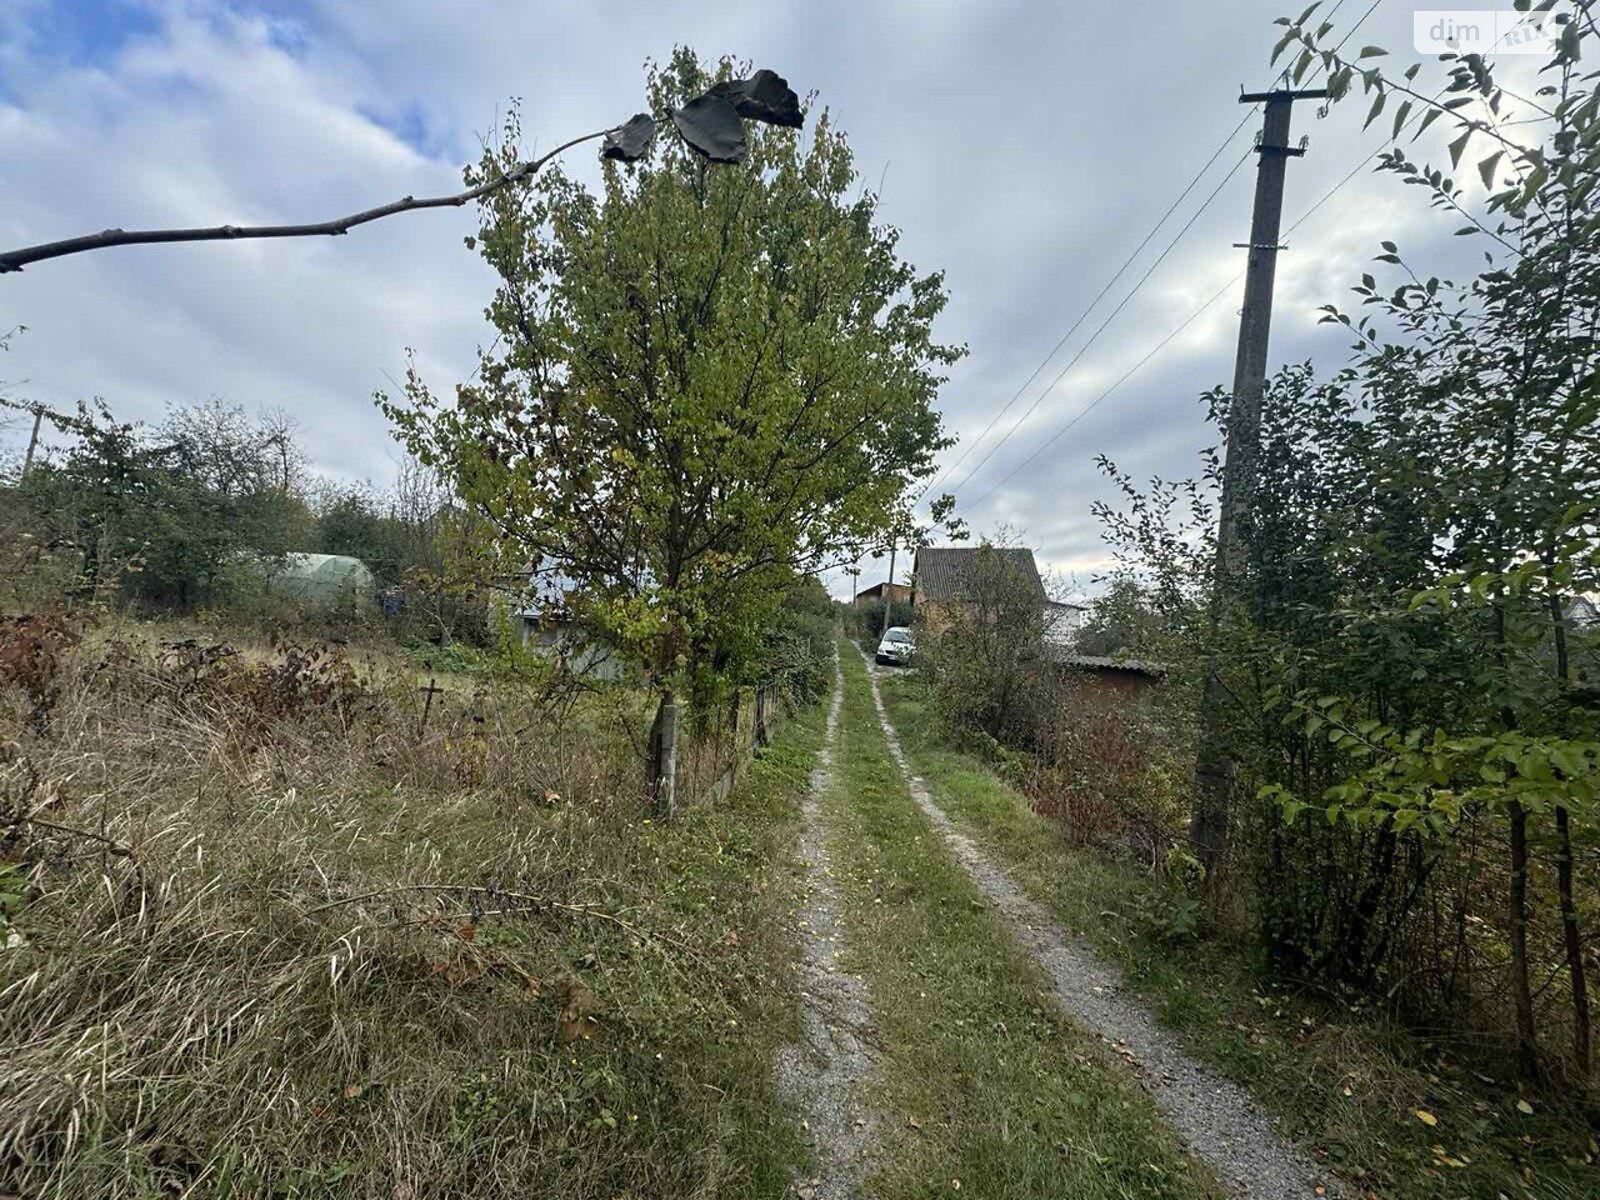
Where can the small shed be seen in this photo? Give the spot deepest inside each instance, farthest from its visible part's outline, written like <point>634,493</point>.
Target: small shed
<point>1119,680</point>
<point>552,635</point>
<point>536,603</point>
<point>898,593</point>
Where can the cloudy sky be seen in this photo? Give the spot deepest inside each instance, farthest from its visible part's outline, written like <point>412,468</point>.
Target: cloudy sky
<point>1026,148</point>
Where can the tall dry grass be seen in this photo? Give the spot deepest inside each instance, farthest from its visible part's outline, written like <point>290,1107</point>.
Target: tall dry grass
<point>275,935</point>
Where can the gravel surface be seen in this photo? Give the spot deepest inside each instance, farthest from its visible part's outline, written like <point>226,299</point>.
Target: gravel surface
<point>1220,1122</point>
<point>822,1075</point>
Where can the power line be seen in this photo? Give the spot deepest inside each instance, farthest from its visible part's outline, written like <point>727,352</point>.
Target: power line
<point>1121,304</point>
<point>1193,316</point>
<point>1083,316</point>
<point>1164,342</point>
<point>1123,378</point>
<point>950,469</point>
<point>1371,8</point>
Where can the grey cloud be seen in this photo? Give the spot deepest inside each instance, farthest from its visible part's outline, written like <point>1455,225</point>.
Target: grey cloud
<point>1048,140</point>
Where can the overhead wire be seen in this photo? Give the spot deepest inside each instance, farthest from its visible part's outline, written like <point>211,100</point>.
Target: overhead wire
<point>1126,263</point>
<point>1084,315</point>
<point>1128,298</point>
<point>1184,324</point>
<point>1112,316</point>
<point>951,468</point>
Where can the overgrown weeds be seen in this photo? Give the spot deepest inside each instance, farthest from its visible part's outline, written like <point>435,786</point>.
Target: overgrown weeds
<point>268,934</point>
<point>1111,771</point>
<point>31,649</point>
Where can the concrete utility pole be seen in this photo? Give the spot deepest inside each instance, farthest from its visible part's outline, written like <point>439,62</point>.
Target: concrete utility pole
<point>41,413</point>
<point>888,593</point>
<point>1215,766</point>
<point>33,440</point>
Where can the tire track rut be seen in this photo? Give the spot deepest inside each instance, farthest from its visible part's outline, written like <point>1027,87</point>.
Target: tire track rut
<point>1220,1121</point>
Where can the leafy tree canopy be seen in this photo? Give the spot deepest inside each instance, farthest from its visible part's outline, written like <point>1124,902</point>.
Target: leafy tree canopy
<point>1405,681</point>
<point>708,381</point>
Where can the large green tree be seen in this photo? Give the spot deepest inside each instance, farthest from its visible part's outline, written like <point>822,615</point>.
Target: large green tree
<point>708,380</point>
<point>1403,666</point>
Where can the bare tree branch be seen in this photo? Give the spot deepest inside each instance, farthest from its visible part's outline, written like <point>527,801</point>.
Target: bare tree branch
<point>15,260</point>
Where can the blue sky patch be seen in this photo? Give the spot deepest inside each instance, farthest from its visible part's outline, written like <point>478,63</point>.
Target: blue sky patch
<point>90,32</point>
<point>410,123</point>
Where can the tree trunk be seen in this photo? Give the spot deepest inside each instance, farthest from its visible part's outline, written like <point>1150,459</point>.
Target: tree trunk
<point>1527,1042</point>
<point>1571,934</point>
<point>664,755</point>
<point>731,729</point>
<point>1214,783</point>
<point>1356,965</point>
<point>1574,946</point>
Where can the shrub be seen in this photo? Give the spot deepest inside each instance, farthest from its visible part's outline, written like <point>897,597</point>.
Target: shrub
<point>31,647</point>
<point>988,665</point>
<point>1113,773</point>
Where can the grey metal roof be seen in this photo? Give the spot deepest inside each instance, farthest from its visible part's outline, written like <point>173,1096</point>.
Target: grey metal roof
<point>1097,662</point>
<point>941,572</point>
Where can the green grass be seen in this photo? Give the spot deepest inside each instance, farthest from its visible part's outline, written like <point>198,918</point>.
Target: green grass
<point>1349,1086</point>
<point>982,1082</point>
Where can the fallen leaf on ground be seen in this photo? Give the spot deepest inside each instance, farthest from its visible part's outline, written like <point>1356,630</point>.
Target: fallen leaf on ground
<point>575,1021</point>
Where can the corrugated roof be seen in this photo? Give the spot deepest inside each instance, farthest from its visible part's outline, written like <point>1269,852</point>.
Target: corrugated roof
<point>1098,662</point>
<point>942,572</point>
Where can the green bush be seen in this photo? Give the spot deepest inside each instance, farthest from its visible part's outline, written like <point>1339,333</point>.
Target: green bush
<point>988,666</point>
<point>798,650</point>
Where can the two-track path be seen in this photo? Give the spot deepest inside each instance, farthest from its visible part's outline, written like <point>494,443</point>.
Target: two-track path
<point>829,1077</point>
